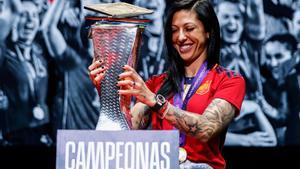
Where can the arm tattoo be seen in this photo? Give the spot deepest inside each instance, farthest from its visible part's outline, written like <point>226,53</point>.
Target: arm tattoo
<point>144,118</point>
<point>140,116</point>
<point>215,118</point>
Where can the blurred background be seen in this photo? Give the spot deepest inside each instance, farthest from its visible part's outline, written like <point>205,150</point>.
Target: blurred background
<point>45,86</point>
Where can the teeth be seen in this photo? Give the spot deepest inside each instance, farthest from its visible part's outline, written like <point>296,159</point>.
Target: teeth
<point>185,48</point>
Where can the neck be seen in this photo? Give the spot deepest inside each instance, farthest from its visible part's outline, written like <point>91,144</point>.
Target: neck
<point>192,68</point>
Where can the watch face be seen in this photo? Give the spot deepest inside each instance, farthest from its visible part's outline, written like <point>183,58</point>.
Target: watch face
<point>160,99</point>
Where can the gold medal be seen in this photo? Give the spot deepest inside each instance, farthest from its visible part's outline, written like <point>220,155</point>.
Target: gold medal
<point>182,155</point>
<point>38,113</point>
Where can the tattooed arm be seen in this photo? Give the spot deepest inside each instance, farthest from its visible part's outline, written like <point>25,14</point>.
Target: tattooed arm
<point>215,118</point>
<point>140,116</point>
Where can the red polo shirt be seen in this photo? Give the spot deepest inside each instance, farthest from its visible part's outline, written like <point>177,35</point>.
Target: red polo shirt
<point>219,83</point>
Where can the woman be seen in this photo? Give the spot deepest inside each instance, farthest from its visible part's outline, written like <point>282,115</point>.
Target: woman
<point>281,87</point>
<point>24,79</point>
<point>212,95</point>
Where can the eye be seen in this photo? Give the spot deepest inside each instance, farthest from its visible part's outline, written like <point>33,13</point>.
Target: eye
<point>174,29</point>
<point>237,17</point>
<point>279,56</point>
<point>226,16</point>
<point>189,29</point>
<point>268,56</point>
<point>23,14</point>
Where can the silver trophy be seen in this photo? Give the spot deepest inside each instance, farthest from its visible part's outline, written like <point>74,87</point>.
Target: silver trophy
<point>116,41</point>
<point>116,44</point>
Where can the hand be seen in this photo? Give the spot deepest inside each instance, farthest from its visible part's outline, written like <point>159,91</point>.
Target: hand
<point>16,6</point>
<point>132,84</point>
<point>259,138</point>
<point>71,15</point>
<point>97,72</point>
<point>267,108</point>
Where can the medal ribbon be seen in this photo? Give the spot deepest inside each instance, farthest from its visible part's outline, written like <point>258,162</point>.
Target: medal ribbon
<point>180,103</point>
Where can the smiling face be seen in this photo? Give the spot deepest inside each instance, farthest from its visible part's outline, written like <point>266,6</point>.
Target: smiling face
<point>189,36</point>
<point>231,22</point>
<point>276,55</point>
<point>29,22</point>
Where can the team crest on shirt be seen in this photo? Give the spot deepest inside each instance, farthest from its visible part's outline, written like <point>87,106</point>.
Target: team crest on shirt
<point>204,88</point>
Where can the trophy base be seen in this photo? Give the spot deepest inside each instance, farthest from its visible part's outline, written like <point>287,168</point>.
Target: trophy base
<point>111,123</point>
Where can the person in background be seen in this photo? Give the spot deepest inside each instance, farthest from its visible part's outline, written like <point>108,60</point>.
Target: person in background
<point>152,47</point>
<point>195,95</point>
<point>281,87</point>
<point>24,81</point>
<point>9,10</point>
<point>278,14</point>
<point>73,92</point>
<point>240,50</point>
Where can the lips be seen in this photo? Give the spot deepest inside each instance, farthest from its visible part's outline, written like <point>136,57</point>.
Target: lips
<point>185,48</point>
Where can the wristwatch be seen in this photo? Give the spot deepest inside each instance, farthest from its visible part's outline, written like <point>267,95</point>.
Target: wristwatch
<point>160,101</point>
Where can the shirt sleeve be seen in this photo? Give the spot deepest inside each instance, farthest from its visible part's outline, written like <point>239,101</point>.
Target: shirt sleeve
<point>149,83</point>
<point>155,82</point>
<point>232,90</point>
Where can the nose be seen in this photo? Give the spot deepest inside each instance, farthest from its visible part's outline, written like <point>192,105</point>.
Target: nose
<point>181,36</point>
<point>231,20</point>
<point>274,62</point>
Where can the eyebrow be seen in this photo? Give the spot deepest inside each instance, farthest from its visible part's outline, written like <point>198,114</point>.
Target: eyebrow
<point>187,24</point>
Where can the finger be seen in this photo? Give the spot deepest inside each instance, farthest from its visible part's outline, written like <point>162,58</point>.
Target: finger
<point>128,68</point>
<point>98,71</point>
<point>130,74</point>
<point>72,18</point>
<point>95,64</point>
<point>132,92</point>
<point>99,77</point>
<point>266,144</point>
<point>125,82</point>
<point>262,134</point>
<point>267,139</point>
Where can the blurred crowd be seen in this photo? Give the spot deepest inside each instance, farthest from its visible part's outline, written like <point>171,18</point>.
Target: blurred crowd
<point>45,52</point>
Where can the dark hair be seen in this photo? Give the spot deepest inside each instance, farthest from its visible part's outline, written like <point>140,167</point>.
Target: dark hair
<point>206,14</point>
<point>285,38</point>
